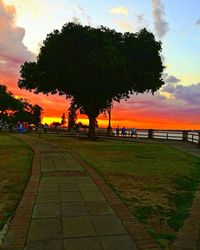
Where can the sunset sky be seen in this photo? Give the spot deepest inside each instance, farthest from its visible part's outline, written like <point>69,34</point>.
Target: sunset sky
<point>24,24</point>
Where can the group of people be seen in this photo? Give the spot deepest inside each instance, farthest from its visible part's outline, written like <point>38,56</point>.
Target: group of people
<point>133,132</point>
<point>22,127</point>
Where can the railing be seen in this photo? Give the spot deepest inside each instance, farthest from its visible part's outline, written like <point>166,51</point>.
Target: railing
<point>178,135</point>
<point>192,136</point>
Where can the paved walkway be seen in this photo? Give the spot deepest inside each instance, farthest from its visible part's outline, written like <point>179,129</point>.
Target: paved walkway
<point>67,205</point>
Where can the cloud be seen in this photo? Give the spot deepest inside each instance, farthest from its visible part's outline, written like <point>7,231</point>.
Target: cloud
<point>170,79</point>
<point>190,95</point>
<point>198,22</point>
<point>124,25</point>
<point>157,111</point>
<point>121,10</point>
<point>83,14</point>
<point>12,50</point>
<point>161,26</point>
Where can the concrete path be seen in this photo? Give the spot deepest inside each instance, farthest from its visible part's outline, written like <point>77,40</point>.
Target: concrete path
<point>67,205</point>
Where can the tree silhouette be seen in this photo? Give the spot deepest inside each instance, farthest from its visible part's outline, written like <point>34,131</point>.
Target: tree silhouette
<point>63,119</point>
<point>94,67</point>
<point>72,116</point>
<point>8,103</point>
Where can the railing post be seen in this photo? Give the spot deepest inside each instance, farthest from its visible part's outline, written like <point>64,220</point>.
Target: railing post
<point>185,135</point>
<point>199,140</point>
<point>150,133</point>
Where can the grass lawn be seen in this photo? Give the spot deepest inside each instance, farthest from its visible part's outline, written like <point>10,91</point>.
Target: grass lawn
<point>156,181</point>
<point>15,165</point>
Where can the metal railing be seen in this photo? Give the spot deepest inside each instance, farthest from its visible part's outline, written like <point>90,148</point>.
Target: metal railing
<point>178,135</point>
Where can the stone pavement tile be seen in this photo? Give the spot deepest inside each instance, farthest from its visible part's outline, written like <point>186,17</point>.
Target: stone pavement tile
<point>87,186</point>
<point>66,179</point>
<point>47,165</point>
<point>60,179</point>
<point>48,197</point>
<point>50,180</point>
<point>55,155</point>
<point>89,243</point>
<point>71,196</point>
<point>94,195</point>
<point>60,164</point>
<point>73,209</point>
<point>44,245</point>
<point>108,225</point>
<point>67,165</point>
<point>118,242</point>
<point>98,208</point>
<point>46,210</point>
<point>69,187</point>
<point>48,187</point>
<point>78,226</point>
<point>67,156</point>
<point>84,179</point>
<point>44,229</point>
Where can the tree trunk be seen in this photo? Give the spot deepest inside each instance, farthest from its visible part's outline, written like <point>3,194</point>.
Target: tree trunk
<point>92,123</point>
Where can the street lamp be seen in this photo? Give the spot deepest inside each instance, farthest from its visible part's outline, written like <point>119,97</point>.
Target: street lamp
<point>109,120</point>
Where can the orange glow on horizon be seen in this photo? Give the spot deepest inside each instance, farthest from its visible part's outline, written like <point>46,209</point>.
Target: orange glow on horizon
<point>103,123</point>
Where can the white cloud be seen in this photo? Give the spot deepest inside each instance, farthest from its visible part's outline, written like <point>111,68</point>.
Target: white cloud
<point>161,26</point>
<point>121,10</point>
<point>12,50</point>
<point>80,10</point>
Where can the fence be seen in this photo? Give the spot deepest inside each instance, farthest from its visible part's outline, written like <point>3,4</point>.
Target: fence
<point>178,135</point>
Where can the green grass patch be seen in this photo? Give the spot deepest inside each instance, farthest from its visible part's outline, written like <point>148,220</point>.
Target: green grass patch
<point>15,165</point>
<point>156,181</point>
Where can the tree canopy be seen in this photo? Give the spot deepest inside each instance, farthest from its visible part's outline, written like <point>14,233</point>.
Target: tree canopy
<point>94,66</point>
<point>7,101</point>
<point>14,110</point>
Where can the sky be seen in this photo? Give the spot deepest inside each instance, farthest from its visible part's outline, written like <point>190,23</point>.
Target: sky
<point>24,25</point>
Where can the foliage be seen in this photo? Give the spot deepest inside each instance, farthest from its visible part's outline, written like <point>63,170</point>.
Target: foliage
<point>13,110</point>
<point>72,116</point>
<point>63,119</point>
<point>8,103</point>
<point>29,113</point>
<point>94,66</point>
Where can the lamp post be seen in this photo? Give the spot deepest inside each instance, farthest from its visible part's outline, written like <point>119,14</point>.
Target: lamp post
<point>109,120</point>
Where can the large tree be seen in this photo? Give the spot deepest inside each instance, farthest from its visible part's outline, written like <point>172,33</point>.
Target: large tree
<point>94,66</point>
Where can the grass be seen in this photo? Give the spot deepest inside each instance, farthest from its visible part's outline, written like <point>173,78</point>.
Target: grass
<point>157,182</point>
<point>15,164</point>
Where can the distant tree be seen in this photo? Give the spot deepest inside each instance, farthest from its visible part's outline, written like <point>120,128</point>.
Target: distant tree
<point>63,120</point>
<point>36,111</point>
<point>72,116</point>
<point>55,124</point>
<point>95,66</point>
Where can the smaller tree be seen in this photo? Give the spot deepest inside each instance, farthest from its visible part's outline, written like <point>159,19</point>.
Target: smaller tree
<point>36,111</point>
<point>63,120</point>
<point>8,103</point>
<point>72,116</point>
